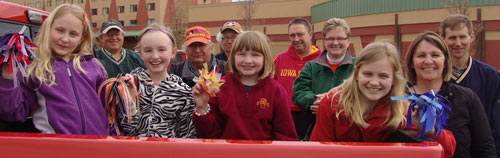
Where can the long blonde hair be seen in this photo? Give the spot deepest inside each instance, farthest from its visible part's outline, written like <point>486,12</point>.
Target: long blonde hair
<point>354,104</point>
<point>41,69</point>
<point>256,41</point>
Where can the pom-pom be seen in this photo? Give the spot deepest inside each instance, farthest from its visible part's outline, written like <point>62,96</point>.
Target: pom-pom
<point>121,94</point>
<point>431,109</point>
<point>210,81</point>
<point>16,50</point>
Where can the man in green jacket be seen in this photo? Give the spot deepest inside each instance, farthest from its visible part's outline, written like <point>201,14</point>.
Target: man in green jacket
<point>327,71</point>
<point>112,55</point>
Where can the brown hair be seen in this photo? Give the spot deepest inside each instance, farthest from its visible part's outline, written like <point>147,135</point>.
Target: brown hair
<point>157,27</point>
<point>256,41</point>
<point>435,40</point>
<point>454,21</point>
<point>302,21</point>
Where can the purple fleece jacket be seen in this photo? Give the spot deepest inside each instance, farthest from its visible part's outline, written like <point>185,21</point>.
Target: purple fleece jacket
<point>69,107</point>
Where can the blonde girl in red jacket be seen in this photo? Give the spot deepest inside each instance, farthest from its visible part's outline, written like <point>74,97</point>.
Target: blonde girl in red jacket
<point>250,105</point>
<point>360,109</point>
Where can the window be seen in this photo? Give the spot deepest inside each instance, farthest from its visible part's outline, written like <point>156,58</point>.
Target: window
<point>93,0</point>
<point>133,8</point>
<point>123,23</point>
<point>151,6</point>
<point>49,3</point>
<point>105,10</point>
<point>121,9</point>
<point>133,22</point>
<point>58,2</point>
<point>38,5</point>
<point>94,11</point>
<point>70,2</point>
<point>80,1</point>
<point>150,21</point>
<point>94,25</point>
<point>6,27</point>
<point>29,5</point>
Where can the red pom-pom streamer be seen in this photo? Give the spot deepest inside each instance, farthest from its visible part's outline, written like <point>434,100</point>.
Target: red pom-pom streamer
<point>16,50</point>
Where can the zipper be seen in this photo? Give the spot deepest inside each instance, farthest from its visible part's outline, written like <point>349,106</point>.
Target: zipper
<point>82,118</point>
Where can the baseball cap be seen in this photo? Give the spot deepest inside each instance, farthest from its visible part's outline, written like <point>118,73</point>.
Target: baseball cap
<point>197,34</point>
<point>233,25</point>
<point>111,24</point>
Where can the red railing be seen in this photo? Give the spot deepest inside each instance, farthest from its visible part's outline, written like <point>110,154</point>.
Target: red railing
<point>57,145</point>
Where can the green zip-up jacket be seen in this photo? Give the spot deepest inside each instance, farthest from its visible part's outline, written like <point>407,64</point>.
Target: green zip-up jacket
<point>317,77</point>
<point>128,61</point>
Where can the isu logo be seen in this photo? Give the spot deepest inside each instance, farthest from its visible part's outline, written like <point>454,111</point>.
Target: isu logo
<point>289,73</point>
<point>262,103</point>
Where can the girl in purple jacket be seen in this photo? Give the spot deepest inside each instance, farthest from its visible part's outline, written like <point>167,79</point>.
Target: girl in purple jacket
<point>60,89</point>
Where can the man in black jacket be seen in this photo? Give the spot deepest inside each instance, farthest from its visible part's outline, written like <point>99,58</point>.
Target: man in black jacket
<point>199,49</point>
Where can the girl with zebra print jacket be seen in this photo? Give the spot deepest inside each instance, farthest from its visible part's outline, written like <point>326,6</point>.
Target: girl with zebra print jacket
<point>165,103</point>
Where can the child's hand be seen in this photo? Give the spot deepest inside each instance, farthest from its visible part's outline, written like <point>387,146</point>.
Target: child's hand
<point>200,98</point>
<point>5,72</point>
<point>415,120</point>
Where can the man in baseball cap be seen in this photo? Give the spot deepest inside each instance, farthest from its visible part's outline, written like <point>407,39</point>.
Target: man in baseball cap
<point>112,55</point>
<point>226,37</point>
<point>111,24</point>
<point>197,34</point>
<point>199,50</point>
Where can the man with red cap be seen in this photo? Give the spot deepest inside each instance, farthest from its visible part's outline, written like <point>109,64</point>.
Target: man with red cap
<point>199,50</point>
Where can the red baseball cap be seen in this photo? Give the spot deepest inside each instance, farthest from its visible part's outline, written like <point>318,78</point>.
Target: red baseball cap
<point>197,34</point>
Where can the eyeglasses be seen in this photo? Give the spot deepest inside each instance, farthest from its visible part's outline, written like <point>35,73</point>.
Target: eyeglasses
<point>228,38</point>
<point>339,39</point>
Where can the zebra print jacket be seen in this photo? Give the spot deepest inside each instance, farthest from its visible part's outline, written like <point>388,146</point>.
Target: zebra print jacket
<point>165,109</point>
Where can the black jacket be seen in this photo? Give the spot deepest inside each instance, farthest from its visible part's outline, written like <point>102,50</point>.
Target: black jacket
<point>221,56</point>
<point>184,71</point>
<point>468,123</point>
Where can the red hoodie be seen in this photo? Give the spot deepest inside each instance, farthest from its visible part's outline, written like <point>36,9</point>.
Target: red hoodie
<point>287,67</point>
<point>260,114</point>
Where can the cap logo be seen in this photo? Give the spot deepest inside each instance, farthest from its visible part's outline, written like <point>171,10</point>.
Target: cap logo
<point>230,24</point>
<point>196,32</point>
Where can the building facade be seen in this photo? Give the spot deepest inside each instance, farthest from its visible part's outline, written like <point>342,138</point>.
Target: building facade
<point>397,21</point>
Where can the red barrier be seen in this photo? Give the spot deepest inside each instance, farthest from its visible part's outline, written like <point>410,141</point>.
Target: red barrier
<point>56,145</point>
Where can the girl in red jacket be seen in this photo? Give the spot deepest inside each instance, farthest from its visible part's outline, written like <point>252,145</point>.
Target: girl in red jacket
<point>360,109</point>
<point>250,105</point>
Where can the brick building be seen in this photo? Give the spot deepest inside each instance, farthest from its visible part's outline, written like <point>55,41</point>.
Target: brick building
<point>397,21</point>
